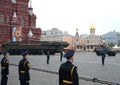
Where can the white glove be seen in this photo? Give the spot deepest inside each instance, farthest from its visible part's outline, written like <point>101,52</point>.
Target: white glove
<point>7,75</point>
<point>27,81</point>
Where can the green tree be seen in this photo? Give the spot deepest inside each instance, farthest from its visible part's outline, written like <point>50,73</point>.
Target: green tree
<point>111,45</point>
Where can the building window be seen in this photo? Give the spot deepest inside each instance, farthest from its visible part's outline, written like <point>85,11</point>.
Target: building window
<point>87,41</point>
<point>1,18</point>
<point>32,23</point>
<point>22,21</point>
<point>7,19</point>
<point>22,8</point>
<point>87,47</point>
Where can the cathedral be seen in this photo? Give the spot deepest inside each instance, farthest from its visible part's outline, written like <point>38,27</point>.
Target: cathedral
<point>17,21</point>
<point>89,42</point>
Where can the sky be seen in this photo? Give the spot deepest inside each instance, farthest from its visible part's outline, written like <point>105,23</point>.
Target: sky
<point>69,15</point>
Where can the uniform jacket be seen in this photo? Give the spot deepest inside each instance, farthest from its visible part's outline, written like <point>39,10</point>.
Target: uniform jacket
<point>103,50</point>
<point>24,68</point>
<point>4,66</point>
<point>68,71</point>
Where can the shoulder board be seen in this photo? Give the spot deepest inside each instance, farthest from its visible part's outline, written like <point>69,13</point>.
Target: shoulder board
<point>74,67</point>
<point>25,63</point>
<point>72,71</point>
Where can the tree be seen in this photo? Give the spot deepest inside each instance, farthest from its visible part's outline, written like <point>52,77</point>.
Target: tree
<point>111,45</point>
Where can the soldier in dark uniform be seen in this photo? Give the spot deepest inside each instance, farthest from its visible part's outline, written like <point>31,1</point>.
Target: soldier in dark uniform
<point>61,55</point>
<point>24,67</point>
<point>4,68</point>
<point>68,72</point>
<point>48,56</point>
<point>103,53</point>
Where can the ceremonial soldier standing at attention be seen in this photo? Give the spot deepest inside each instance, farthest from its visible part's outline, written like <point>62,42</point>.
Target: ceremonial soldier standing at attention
<point>68,72</point>
<point>24,68</point>
<point>4,68</point>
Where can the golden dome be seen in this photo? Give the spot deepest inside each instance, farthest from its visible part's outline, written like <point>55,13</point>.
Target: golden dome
<point>92,27</point>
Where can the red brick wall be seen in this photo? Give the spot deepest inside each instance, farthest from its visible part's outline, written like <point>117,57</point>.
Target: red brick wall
<point>7,8</point>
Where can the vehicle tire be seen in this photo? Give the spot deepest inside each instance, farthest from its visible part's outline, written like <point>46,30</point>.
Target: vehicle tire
<point>113,54</point>
<point>98,54</point>
<point>109,54</point>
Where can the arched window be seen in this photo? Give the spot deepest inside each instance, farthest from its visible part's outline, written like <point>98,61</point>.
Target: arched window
<point>32,23</point>
<point>22,21</point>
<point>1,18</point>
<point>7,19</point>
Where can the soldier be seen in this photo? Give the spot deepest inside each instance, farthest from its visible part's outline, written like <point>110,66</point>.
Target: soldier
<point>48,56</point>
<point>4,68</point>
<point>24,67</point>
<point>68,72</point>
<point>61,55</point>
<point>103,53</point>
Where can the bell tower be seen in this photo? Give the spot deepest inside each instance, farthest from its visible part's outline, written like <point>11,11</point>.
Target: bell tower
<point>32,16</point>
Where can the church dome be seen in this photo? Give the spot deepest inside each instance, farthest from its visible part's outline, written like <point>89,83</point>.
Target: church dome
<point>92,27</point>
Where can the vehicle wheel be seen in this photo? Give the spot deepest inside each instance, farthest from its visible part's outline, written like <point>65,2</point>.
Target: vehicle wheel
<point>114,54</point>
<point>109,54</point>
<point>98,54</point>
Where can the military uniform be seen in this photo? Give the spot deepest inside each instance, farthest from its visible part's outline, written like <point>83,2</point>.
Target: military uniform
<point>61,55</point>
<point>24,67</point>
<point>24,76</point>
<point>4,71</point>
<point>68,72</point>
<point>48,57</point>
<point>103,54</point>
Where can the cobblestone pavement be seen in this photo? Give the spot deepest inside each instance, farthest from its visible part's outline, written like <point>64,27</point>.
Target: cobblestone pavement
<point>88,63</point>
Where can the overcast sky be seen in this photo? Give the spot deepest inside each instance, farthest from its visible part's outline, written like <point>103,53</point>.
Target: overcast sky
<point>67,15</point>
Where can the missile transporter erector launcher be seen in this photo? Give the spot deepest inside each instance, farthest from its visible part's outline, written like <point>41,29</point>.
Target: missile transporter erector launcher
<point>34,47</point>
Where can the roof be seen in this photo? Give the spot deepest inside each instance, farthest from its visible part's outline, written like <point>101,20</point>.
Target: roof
<point>92,27</point>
